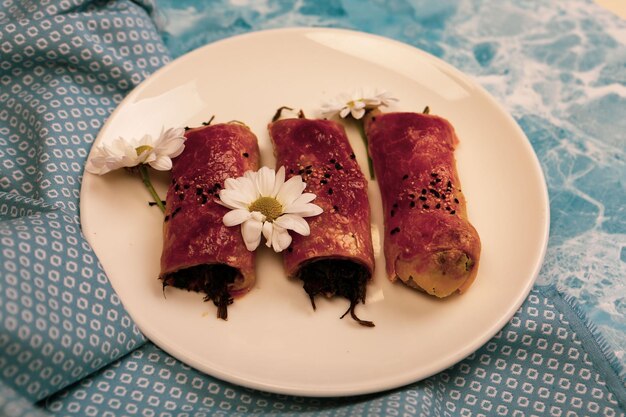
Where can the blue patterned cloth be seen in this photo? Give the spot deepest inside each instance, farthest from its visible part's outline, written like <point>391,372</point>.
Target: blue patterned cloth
<point>67,346</point>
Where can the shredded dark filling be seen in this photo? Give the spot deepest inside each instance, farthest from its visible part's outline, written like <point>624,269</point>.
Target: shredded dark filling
<point>336,277</point>
<point>212,280</point>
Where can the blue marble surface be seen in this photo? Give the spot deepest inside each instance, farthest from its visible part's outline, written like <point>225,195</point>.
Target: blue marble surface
<point>558,67</point>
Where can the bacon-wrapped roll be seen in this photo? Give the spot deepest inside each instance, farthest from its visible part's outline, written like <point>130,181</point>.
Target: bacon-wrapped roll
<point>199,252</point>
<point>337,258</point>
<point>429,243</point>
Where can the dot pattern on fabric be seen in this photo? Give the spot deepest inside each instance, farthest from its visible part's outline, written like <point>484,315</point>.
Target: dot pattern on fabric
<point>535,366</point>
<point>65,66</point>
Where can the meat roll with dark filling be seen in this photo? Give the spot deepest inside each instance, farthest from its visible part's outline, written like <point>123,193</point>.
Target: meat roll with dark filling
<point>199,252</point>
<point>429,243</point>
<point>337,257</point>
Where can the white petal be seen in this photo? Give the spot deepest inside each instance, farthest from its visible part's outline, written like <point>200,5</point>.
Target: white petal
<point>293,222</point>
<point>173,147</point>
<point>105,159</point>
<point>268,230</point>
<point>265,180</point>
<point>162,163</point>
<point>234,199</point>
<point>235,217</point>
<point>258,216</point>
<point>358,113</point>
<point>251,232</point>
<point>344,112</point>
<point>358,104</point>
<point>170,143</point>
<point>247,187</point>
<point>304,198</point>
<point>304,210</point>
<point>251,175</point>
<point>146,140</point>
<point>230,184</point>
<point>280,239</point>
<point>279,181</point>
<point>145,157</point>
<point>290,190</point>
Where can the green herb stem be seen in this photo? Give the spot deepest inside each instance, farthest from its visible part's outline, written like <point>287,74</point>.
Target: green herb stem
<point>145,177</point>
<point>370,164</point>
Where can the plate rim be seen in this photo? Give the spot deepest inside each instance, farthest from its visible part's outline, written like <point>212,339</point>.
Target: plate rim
<point>440,365</point>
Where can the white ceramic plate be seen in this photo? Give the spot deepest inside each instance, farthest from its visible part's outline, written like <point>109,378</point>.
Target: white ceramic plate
<point>273,340</point>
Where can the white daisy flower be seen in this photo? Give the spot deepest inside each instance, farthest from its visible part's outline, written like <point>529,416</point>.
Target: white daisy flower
<point>122,153</point>
<point>263,203</point>
<point>356,103</point>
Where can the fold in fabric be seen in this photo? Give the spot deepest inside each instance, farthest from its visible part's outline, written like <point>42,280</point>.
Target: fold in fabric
<point>65,66</point>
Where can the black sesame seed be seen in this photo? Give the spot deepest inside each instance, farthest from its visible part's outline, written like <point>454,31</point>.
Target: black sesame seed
<point>456,200</point>
<point>308,167</point>
<point>291,171</point>
<point>330,191</point>
<point>406,176</point>
<point>186,186</point>
<point>447,208</point>
<point>204,199</point>
<point>322,181</point>
<point>300,171</point>
<point>308,172</point>
<point>453,211</point>
<point>217,186</point>
<point>438,206</point>
<point>426,206</point>
<point>246,154</point>
<point>395,205</point>
<point>412,204</point>
<point>395,230</point>
<point>393,213</point>
<point>332,161</point>
<point>352,156</point>
<point>422,198</point>
<point>432,183</point>
<point>411,195</point>
<point>166,218</point>
<point>435,193</point>
<point>187,128</point>
<point>433,174</point>
<point>289,249</point>
<point>198,190</point>
<point>423,190</point>
<point>449,184</point>
<point>327,175</point>
<point>438,180</point>
<point>338,166</point>
<point>181,196</point>
<point>336,208</point>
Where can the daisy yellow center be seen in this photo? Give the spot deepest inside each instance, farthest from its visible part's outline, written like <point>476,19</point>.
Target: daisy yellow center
<point>142,148</point>
<point>267,206</point>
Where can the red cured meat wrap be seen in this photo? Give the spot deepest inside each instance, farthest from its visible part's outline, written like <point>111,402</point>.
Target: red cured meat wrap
<point>199,252</point>
<point>429,243</point>
<point>337,258</point>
